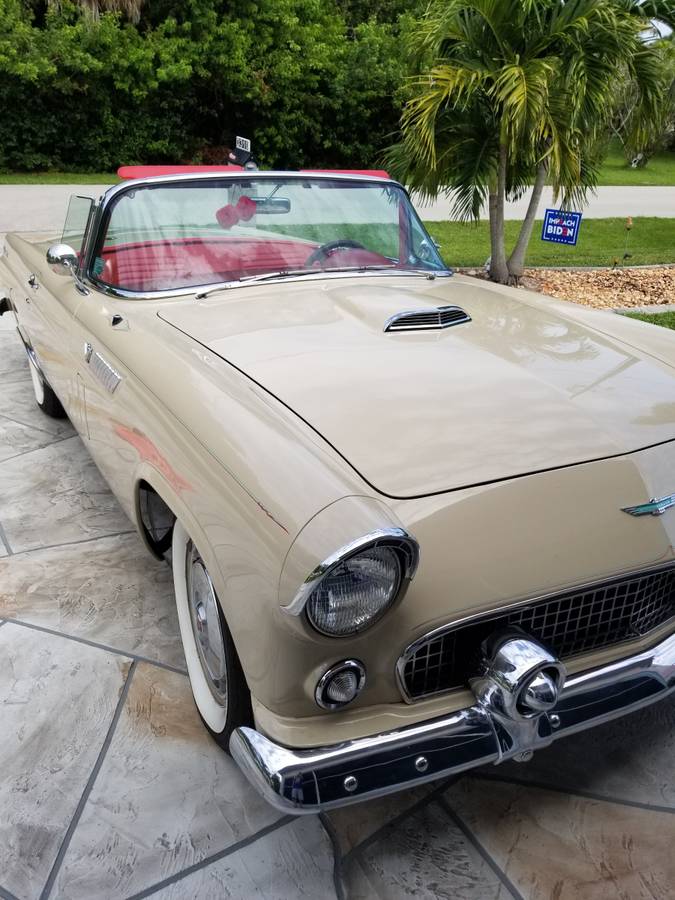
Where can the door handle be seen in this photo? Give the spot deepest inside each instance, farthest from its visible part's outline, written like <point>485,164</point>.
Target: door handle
<point>33,282</point>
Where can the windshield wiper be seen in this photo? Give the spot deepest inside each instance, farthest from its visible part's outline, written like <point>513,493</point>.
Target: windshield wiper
<point>296,273</point>
<point>248,279</point>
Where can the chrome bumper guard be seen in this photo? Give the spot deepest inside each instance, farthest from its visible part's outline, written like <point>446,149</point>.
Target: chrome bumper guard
<point>523,703</point>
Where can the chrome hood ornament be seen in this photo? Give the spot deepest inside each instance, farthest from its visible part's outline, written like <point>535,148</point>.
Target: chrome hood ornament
<point>653,508</point>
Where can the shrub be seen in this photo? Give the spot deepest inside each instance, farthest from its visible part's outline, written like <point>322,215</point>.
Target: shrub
<point>305,81</point>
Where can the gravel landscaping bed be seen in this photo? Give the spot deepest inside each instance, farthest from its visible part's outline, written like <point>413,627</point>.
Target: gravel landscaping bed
<point>607,288</point>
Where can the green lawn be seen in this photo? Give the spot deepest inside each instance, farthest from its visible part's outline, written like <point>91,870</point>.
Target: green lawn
<point>601,242</point>
<point>667,319</point>
<point>660,170</point>
<point>58,178</point>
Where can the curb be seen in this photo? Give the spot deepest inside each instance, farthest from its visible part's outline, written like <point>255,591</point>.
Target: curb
<point>652,309</point>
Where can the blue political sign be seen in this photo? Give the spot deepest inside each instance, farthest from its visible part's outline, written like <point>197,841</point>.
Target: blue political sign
<point>561,227</point>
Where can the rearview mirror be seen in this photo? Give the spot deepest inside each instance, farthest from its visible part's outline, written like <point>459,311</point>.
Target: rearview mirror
<point>272,205</point>
<point>62,259</point>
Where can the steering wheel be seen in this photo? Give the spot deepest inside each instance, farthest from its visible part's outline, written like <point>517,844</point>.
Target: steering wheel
<point>326,249</point>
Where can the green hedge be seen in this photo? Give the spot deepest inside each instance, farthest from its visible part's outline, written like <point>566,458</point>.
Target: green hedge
<point>308,81</point>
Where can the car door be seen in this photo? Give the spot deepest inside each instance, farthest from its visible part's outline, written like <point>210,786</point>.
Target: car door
<point>52,300</point>
<point>110,389</point>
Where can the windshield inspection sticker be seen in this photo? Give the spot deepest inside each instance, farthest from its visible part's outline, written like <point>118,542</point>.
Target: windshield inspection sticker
<point>561,227</point>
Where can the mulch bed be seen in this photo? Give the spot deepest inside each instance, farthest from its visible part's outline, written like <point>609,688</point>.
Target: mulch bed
<point>606,288</point>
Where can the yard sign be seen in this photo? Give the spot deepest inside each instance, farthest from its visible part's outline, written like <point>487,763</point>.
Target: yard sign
<point>561,227</point>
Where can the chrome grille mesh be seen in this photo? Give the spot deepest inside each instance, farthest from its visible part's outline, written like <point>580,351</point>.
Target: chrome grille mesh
<point>575,622</point>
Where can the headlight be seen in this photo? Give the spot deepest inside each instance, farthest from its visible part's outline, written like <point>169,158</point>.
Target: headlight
<point>356,592</point>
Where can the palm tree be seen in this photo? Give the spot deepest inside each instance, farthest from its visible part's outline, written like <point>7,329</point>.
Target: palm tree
<point>129,8</point>
<point>511,93</point>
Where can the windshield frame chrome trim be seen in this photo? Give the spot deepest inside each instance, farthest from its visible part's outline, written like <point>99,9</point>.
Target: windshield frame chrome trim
<point>109,195</point>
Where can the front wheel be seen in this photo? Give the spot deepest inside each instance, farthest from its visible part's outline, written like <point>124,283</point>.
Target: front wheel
<point>218,685</point>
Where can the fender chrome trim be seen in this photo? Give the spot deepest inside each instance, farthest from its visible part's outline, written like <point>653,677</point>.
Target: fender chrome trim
<point>308,781</point>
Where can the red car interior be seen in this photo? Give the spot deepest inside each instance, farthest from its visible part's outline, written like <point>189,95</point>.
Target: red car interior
<point>166,264</point>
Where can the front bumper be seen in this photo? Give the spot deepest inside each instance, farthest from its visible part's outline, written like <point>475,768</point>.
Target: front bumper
<point>307,781</point>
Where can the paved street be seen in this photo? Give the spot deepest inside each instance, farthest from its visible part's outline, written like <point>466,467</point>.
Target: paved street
<point>607,202</point>
<point>111,787</point>
<point>43,207</point>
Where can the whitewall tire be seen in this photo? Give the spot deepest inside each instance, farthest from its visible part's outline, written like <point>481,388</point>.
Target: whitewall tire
<point>45,397</point>
<point>217,681</point>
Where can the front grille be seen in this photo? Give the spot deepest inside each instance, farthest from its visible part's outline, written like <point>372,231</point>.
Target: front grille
<point>574,622</point>
<point>425,319</point>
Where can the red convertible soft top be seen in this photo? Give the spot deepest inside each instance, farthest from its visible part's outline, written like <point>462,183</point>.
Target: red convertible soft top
<point>126,172</point>
<point>150,171</point>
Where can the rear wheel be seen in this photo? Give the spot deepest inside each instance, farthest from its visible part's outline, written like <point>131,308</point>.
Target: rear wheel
<point>45,397</point>
<point>218,685</point>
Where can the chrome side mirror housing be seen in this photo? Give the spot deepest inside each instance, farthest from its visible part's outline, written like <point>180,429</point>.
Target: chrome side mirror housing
<point>62,259</point>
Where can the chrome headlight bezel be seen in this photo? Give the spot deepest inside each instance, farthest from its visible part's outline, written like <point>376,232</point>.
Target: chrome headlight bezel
<point>398,540</point>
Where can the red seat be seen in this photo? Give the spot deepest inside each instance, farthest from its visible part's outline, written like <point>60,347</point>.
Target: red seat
<point>163,265</point>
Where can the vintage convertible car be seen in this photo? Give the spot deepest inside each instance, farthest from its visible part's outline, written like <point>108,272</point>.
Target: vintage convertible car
<point>409,513</point>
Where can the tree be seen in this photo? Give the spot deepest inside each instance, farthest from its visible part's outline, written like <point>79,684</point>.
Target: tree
<point>309,88</point>
<point>510,93</point>
<point>129,8</point>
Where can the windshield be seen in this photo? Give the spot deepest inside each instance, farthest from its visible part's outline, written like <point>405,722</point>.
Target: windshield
<point>184,234</point>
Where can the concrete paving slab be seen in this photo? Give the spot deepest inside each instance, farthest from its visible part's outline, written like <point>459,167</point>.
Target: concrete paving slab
<point>16,439</point>
<point>109,591</point>
<point>553,845</point>
<point>56,495</point>
<point>351,830</point>
<point>166,797</point>
<point>13,360</point>
<point>426,856</point>
<point>291,862</point>
<point>57,699</point>
<point>638,768</point>
<point>18,405</point>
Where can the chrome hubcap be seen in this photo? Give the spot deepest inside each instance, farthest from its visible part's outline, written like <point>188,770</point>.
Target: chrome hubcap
<point>205,618</point>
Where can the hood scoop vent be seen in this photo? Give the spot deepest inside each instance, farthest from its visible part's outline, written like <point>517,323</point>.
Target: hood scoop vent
<point>427,319</point>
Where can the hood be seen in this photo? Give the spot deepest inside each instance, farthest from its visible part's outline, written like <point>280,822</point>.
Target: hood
<point>520,388</point>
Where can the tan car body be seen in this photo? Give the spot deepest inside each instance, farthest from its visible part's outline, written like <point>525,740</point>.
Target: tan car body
<point>279,421</point>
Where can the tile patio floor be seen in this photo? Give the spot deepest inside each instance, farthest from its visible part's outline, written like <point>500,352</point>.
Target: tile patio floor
<point>110,787</point>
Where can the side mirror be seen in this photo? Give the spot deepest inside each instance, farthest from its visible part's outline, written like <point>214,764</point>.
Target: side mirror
<point>62,259</point>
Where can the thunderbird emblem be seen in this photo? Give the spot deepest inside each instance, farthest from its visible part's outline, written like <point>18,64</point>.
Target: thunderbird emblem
<point>653,508</point>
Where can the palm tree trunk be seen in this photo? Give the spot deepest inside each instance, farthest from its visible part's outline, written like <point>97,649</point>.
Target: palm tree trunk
<point>499,270</point>
<point>516,261</point>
